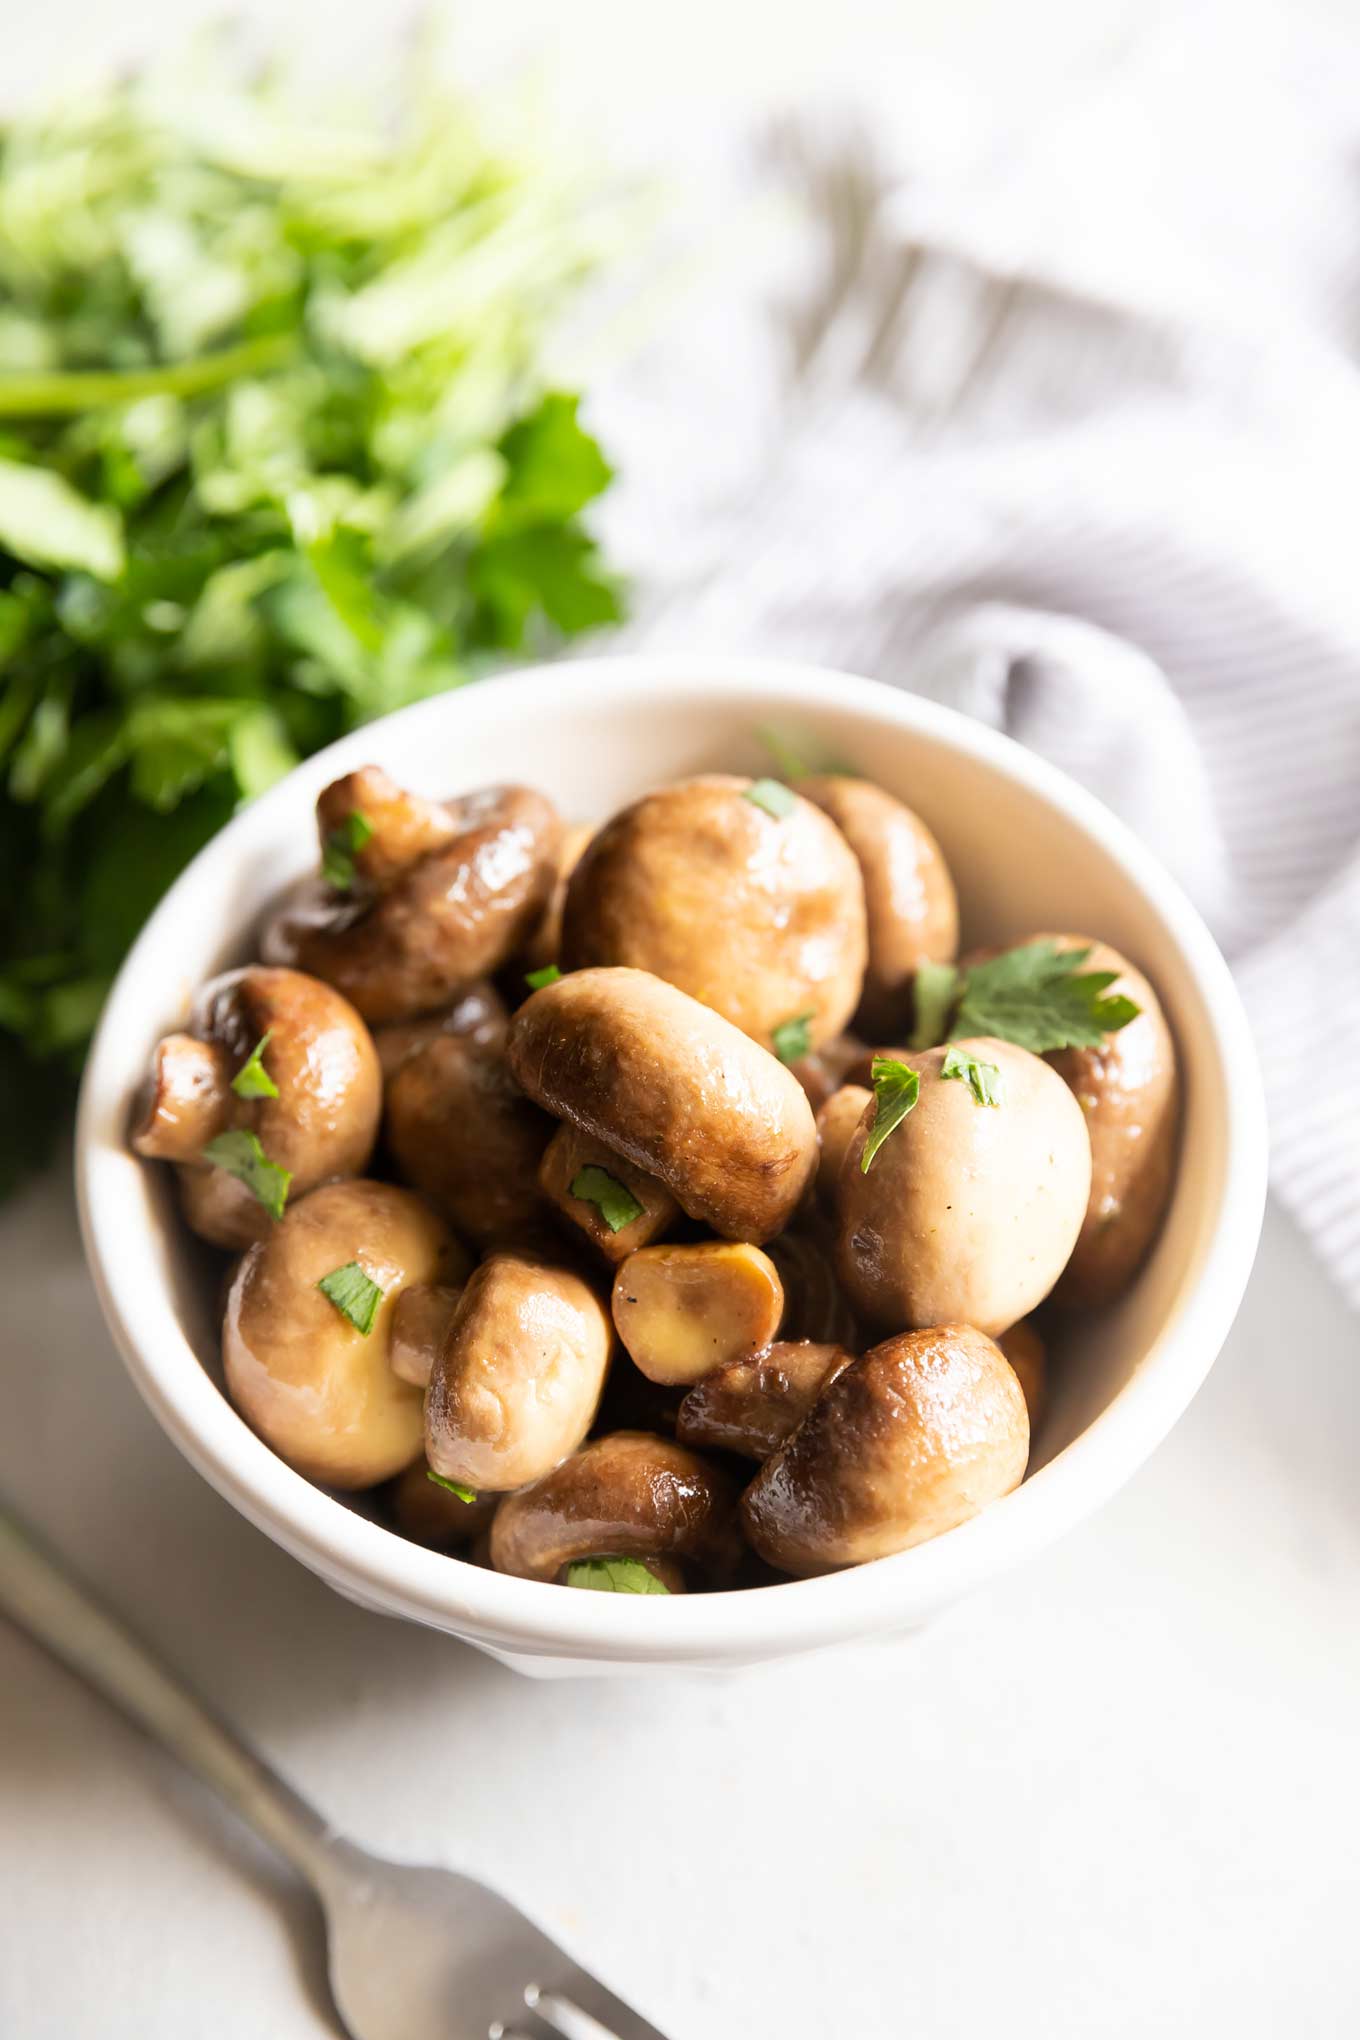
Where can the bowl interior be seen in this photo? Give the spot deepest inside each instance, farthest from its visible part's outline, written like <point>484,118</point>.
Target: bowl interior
<point>1026,850</point>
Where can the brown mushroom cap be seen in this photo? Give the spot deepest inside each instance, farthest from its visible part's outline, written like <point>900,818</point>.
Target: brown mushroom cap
<point>459,1128</point>
<point>759,916</point>
<point>1129,1091</point>
<point>968,1212</point>
<point>676,1089</point>
<point>322,1393</point>
<point>545,944</point>
<point>629,1495</point>
<point>753,1404</point>
<point>417,928</point>
<point>908,1441</point>
<point>836,1125</point>
<point>479,1012</point>
<point>319,1056</point>
<point>518,1381</point>
<point>909,898</point>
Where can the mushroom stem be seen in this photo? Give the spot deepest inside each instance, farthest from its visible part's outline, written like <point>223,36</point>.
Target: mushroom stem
<point>404,827</point>
<point>185,1102</point>
<point>420,1323</point>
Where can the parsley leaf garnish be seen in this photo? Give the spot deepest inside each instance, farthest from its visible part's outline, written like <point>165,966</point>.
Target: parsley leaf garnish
<point>253,1080</point>
<point>453,1487</point>
<point>933,990</point>
<point>896,1089</point>
<point>614,1576</point>
<point>241,1155</point>
<point>536,979</point>
<point>341,847</point>
<point>614,1201</point>
<point>1039,997</point>
<point>772,795</point>
<point>793,1038</point>
<point>354,1293</point>
<point>982,1078</point>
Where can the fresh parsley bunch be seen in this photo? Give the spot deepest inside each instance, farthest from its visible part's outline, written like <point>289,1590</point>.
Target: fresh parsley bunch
<point>277,455</point>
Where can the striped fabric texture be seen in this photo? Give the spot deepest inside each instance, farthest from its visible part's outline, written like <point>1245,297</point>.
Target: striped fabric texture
<point>1074,445</point>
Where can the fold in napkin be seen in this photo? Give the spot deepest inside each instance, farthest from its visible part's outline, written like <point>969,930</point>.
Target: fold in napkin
<point>1070,438</point>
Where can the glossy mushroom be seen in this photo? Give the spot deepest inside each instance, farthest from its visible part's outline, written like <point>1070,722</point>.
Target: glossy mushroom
<point>749,900</point>
<point>683,1311</point>
<point>318,1386</point>
<point>517,1381</point>
<point>423,897</point>
<point>461,1130</point>
<point>674,1088</point>
<point>1024,1347</point>
<point>969,1211</point>
<point>906,1442</point>
<point>754,1403</point>
<point>629,1495</point>
<point>429,1513</point>
<point>618,1207</point>
<point>310,1096</point>
<point>909,898</point>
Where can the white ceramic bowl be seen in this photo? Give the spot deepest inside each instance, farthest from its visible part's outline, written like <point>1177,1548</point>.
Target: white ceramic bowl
<point>1028,849</point>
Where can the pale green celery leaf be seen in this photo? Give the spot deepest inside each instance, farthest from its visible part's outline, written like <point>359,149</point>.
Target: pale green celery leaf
<point>447,508</point>
<point>224,627</point>
<point>46,522</point>
<point>191,296</point>
<point>260,751</point>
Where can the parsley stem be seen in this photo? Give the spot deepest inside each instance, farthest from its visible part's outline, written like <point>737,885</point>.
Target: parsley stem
<point>65,391</point>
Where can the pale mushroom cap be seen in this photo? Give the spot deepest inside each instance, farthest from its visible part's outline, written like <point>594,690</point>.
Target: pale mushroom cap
<point>322,1393</point>
<point>969,1212</point>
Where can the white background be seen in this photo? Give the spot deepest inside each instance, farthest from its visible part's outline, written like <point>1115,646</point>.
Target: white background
<point>1113,1796</point>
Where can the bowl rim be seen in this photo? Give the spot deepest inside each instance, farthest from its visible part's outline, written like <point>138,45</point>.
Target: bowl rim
<point>376,1565</point>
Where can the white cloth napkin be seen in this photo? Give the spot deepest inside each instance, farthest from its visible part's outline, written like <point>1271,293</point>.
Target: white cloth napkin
<point>1069,436</point>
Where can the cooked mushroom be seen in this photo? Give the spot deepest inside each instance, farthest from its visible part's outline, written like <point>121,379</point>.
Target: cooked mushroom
<point>1130,1094</point>
<point>423,897</point>
<point>309,1367</point>
<point>518,1379</point>
<point>271,1054</point>
<point>429,1513</point>
<point>824,1071</point>
<point>625,1496</point>
<point>836,1125</point>
<point>1024,1348</point>
<point>545,944</point>
<point>906,1442</point>
<point>753,1404</point>
<point>462,1131</point>
<point>684,1311</point>
<point>969,1211</point>
<point>676,1090</point>
<point>909,897</point>
<point>814,1305</point>
<point>479,1013</point>
<point>420,1325</point>
<point>619,1208</point>
<point>742,894</point>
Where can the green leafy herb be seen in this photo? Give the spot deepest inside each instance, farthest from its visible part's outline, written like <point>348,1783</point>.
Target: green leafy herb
<point>933,990</point>
<point>278,454</point>
<point>1039,997</point>
<point>793,1038</point>
<point>614,1576</point>
<point>253,1080</point>
<point>453,1487</point>
<point>341,847</point>
<point>896,1089</point>
<point>354,1293</point>
<point>614,1201</point>
<point>773,796</point>
<point>242,1156</point>
<point>536,979</point>
<point>982,1078</point>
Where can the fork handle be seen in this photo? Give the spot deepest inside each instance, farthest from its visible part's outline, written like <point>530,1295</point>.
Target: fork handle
<point>42,1598</point>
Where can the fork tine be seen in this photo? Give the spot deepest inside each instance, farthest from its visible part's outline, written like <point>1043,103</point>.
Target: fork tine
<point>585,2010</point>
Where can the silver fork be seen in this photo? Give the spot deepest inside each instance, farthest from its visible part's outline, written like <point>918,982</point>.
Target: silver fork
<point>414,1954</point>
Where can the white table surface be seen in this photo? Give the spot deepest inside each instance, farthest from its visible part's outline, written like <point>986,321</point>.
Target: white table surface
<point>1112,1796</point>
